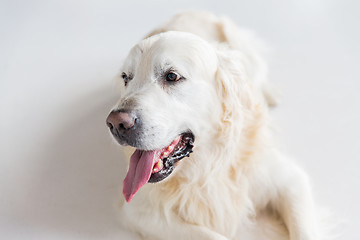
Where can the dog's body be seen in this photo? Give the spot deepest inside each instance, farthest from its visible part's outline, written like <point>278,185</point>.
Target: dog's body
<point>235,184</point>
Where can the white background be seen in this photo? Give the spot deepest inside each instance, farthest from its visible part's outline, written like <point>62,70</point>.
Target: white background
<point>60,173</point>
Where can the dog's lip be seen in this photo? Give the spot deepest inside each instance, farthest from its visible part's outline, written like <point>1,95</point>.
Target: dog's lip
<point>167,163</point>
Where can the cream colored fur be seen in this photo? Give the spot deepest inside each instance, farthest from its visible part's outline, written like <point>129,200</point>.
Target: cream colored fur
<point>235,185</point>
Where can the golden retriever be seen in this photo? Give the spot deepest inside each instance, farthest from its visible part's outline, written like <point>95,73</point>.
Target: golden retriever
<point>193,109</point>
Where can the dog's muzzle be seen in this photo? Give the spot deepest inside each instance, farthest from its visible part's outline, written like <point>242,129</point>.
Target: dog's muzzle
<point>150,165</point>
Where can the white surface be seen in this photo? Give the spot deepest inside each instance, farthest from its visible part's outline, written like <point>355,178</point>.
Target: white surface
<point>60,174</point>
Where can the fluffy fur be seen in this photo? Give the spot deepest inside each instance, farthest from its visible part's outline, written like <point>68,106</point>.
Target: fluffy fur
<point>235,185</point>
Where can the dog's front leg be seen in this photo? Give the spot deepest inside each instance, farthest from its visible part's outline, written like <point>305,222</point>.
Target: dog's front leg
<point>198,233</point>
<point>296,207</point>
<point>186,232</point>
<point>154,226</point>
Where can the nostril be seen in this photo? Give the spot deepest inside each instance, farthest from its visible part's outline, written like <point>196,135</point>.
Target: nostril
<point>110,125</point>
<point>136,121</point>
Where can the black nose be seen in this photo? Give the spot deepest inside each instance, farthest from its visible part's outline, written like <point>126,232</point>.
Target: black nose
<point>121,120</point>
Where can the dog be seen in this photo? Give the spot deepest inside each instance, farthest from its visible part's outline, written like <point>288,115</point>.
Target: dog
<point>193,113</point>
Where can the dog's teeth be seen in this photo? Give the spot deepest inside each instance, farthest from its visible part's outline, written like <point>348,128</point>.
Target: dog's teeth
<point>158,166</point>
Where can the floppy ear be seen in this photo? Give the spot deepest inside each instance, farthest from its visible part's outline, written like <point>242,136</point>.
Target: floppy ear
<point>241,102</point>
<point>240,131</point>
<point>233,87</point>
<point>253,49</point>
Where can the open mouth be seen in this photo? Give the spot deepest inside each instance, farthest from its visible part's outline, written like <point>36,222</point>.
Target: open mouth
<point>155,165</point>
<point>181,147</point>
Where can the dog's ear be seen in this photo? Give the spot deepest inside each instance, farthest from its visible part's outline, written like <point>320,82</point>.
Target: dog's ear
<point>233,86</point>
<point>254,49</point>
<point>243,108</point>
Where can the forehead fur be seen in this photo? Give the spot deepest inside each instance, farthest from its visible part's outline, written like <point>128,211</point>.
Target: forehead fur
<point>177,49</point>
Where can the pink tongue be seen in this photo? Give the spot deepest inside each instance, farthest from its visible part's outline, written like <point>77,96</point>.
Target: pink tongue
<point>141,164</point>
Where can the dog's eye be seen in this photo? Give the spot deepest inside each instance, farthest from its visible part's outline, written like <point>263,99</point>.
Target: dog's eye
<point>125,77</point>
<point>172,77</point>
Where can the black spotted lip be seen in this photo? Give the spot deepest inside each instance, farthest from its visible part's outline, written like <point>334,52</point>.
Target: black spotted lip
<point>181,150</point>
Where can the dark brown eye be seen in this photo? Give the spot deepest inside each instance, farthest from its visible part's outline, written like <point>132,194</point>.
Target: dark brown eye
<point>172,77</point>
<point>125,77</point>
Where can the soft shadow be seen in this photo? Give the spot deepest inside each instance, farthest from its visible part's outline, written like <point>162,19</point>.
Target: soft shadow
<point>81,173</point>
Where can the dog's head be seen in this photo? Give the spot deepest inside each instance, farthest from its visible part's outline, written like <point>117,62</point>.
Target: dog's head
<point>171,99</point>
